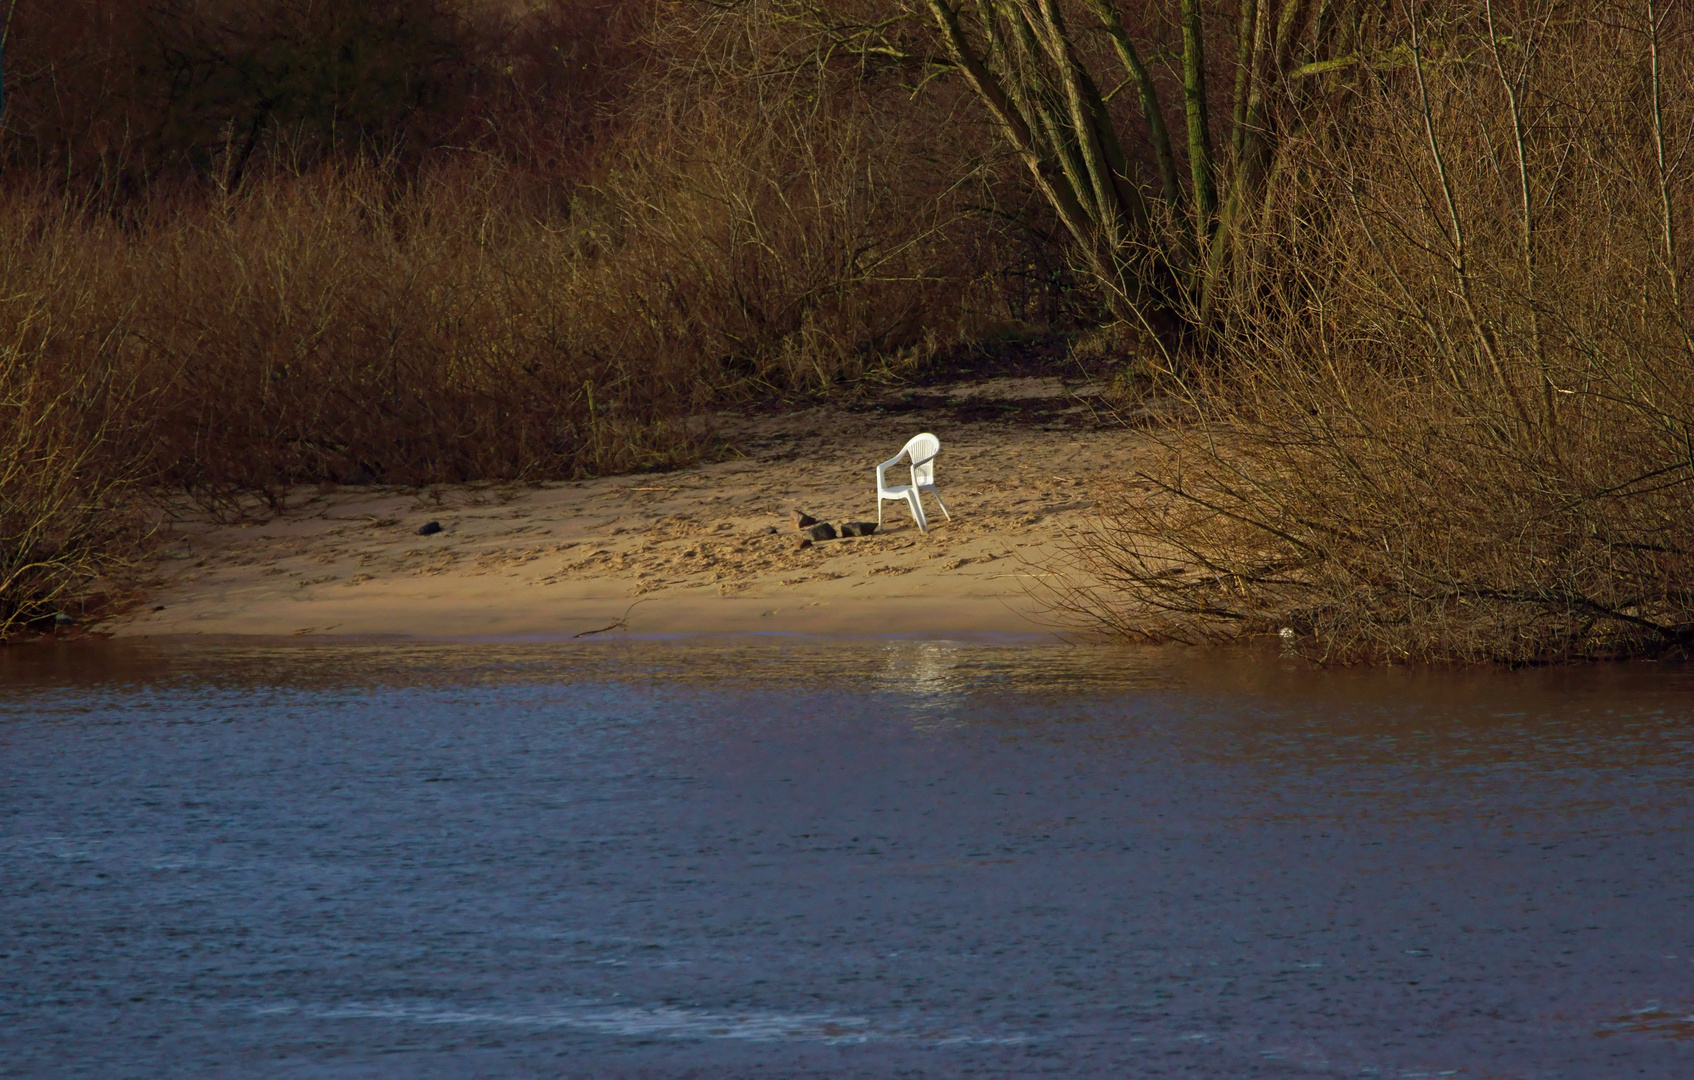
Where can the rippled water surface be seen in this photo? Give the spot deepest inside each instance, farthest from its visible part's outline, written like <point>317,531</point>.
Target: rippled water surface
<point>652,859</point>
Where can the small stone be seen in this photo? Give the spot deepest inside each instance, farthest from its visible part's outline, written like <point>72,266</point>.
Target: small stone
<point>801,543</point>
<point>801,519</point>
<point>430,528</point>
<point>858,528</point>
<point>770,530</point>
<point>823,530</point>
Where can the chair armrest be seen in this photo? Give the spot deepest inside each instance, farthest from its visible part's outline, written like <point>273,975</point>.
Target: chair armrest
<point>881,479</point>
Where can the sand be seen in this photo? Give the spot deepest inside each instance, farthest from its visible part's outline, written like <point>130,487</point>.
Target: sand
<point>705,550</point>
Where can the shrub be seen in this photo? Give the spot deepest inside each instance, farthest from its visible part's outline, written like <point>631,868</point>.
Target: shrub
<point>1450,416</point>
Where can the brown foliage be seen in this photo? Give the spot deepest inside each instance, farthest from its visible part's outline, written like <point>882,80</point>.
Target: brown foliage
<point>1453,412</point>
<point>64,518</point>
<point>741,228</point>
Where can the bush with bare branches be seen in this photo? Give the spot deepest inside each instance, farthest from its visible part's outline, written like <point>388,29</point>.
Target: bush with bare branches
<point>1453,418</point>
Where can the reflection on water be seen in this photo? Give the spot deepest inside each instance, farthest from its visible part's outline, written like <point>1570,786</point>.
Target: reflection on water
<point>928,668</point>
<point>919,667</point>
<point>782,857</point>
<point>1651,1020</point>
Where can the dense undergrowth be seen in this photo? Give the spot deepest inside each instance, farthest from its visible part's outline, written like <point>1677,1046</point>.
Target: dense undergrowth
<point>1411,279</point>
<point>496,282</point>
<point>1450,411</point>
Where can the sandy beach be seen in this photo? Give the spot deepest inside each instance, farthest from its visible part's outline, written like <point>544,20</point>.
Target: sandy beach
<point>705,550</point>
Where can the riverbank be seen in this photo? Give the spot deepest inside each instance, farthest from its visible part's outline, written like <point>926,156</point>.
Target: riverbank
<point>708,549</point>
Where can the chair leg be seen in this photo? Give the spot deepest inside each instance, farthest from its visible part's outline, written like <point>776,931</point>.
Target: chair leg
<point>879,512</point>
<point>917,510</point>
<point>939,503</point>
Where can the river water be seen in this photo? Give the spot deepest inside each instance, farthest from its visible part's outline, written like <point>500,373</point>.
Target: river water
<point>789,858</point>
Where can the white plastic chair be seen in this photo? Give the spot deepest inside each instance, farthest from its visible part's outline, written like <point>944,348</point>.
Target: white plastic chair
<point>920,451</point>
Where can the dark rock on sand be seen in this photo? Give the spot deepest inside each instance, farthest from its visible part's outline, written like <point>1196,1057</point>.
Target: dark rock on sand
<point>823,530</point>
<point>430,529</point>
<point>858,528</point>
<point>801,519</point>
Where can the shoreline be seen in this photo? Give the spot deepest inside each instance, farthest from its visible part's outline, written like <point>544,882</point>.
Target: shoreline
<point>707,550</point>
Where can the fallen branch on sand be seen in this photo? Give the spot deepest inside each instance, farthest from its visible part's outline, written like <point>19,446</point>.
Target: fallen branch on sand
<point>621,624</point>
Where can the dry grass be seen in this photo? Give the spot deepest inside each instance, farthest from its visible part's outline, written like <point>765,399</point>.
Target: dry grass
<point>337,326</point>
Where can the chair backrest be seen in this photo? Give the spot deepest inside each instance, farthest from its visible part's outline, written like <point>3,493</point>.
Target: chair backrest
<point>921,447</point>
